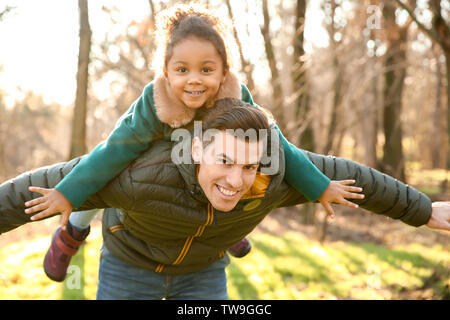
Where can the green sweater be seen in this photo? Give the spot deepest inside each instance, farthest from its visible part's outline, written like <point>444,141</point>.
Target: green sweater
<point>134,132</point>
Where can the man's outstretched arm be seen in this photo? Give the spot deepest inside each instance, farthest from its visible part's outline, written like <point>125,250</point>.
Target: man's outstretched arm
<point>384,194</point>
<point>14,193</point>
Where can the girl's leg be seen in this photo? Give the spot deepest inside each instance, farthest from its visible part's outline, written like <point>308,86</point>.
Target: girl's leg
<point>82,219</point>
<point>65,244</point>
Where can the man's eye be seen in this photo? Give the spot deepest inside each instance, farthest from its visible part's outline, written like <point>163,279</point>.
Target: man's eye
<point>250,167</point>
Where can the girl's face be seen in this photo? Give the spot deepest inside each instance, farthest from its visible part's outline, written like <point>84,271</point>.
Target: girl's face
<point>195,71</point>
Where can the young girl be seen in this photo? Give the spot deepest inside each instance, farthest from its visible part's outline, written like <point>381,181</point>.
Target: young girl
<point>195,73</point>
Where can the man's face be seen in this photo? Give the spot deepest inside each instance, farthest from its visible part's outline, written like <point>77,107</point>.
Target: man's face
<point>227,168</point>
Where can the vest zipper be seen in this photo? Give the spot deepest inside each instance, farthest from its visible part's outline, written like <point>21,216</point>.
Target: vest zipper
<point>199,233</point>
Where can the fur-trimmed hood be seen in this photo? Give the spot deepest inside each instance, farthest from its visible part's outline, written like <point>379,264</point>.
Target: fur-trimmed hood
<point>172,111</point>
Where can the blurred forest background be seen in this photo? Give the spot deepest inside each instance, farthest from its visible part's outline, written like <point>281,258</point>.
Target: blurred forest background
<point>366,80</point>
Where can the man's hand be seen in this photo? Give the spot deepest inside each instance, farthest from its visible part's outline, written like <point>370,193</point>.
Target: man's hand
<point>440,216</point>
<point>336,192</point>
<point>52,202</point>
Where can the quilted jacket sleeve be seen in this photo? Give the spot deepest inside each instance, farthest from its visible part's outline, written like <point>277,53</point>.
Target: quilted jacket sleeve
<point>384,194</point>
<point>14,193</point>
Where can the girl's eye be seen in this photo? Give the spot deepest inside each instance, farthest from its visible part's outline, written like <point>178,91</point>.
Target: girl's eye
<point>206,70</point>
<point>224,161</point>
<point>181,69</point>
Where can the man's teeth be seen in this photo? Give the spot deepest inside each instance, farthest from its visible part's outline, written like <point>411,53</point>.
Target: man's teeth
<point>227,192</point>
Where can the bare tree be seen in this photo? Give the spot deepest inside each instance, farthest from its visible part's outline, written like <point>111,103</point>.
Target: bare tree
<point>3,168</point>
<point>6,11</point>
<point>338,79</point>
<point>247,67</point>
<point>393,160</point>
<point>300,78</point>
<point>78,140</point>
<point>300,87</point>
<point>440,34</point>
<point>152,12</point>
<point>277,93</point>
<point>436,138</point>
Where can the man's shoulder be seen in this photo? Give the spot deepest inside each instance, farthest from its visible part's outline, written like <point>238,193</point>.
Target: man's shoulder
<point>155,165</point>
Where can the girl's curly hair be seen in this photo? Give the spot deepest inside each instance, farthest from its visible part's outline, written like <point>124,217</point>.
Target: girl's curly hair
<point>181,21</point>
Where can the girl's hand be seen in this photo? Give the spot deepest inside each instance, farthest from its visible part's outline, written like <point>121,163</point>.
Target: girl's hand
<point>52,202</point>
<point>337,192</point>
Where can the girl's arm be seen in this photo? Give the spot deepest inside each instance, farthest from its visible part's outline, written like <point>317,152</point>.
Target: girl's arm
<point>132,135</point>
<point>300,173</point>
<point>14,192</point>
<point>304,176</point>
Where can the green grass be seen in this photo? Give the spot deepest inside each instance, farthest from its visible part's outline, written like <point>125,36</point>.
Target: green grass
<point>428,181</point>
<point>22,275</point>
<point>289,267</point>
<point>294,267</point>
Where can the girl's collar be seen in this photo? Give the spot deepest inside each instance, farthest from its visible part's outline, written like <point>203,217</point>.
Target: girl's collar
<point>172,111</point>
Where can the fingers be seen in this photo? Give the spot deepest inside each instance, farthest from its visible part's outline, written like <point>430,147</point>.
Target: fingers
<point>39,190</point>
<point>353,189</point>
<point>37,208</point>
<point>44,214</point>
<point>345,182</point>
<point>348,203</point>
<point>35,201</point>
<point>328,209</point>
<point>444,226</point>
<point>350,189</point>
<point>64,219</point>
<point>351,195</point>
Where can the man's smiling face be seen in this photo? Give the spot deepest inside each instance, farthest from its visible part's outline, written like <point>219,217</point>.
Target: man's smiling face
<point>227,168</point>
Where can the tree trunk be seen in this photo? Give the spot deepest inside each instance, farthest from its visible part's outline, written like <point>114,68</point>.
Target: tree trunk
<point>447,65</point>
<point>300,78</point>
<point>372,125</point>
<point>247,67</point>
<point>436,138</point>
<point>152,13</point>
<point>3,135</point>
<point>334,108</point>
<point>439,33</point>
<point>277,94</point>
<point>336,86</point>
<point>370,109</point>
<point>78,141</point>
<point>301,91</point>
<point>393,160</point>
<point>442,34</point>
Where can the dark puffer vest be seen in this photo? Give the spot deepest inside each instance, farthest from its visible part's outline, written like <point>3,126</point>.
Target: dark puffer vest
<point>158,217</point>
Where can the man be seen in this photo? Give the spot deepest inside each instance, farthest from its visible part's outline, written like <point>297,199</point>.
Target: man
<point>173,221</point>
